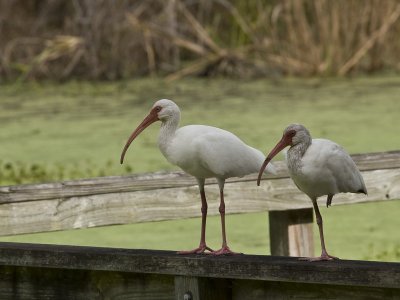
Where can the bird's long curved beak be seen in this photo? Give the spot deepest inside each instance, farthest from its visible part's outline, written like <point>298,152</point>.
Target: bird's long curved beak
<point>283,143</point>
<point>150,119</point>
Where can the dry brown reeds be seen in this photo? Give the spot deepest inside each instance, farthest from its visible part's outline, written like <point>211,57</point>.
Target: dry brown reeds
<point>123,38</point>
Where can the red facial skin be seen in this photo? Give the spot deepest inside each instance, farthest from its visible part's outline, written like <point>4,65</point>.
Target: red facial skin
<point>285,141</point>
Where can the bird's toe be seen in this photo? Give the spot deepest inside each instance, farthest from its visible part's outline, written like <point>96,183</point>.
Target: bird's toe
<point>199,250</point>
<point>224,251</point>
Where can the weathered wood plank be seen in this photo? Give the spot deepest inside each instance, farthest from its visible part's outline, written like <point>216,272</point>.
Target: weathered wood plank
<point>254,267</point>
<point>142,182</point>
<point>63,284</point>
<point>187,288</point>
<point>175,203</point>
<point>50,283</point>
<point>201,288</point>
<point>261,290</point>
<point>94,186</point>
<point>59,284</point>
<point>291,232</point>
<point>377,160</point>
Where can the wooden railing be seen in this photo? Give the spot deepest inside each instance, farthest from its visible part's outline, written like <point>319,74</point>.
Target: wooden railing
<point>31,271</point>
<point>173,195</point>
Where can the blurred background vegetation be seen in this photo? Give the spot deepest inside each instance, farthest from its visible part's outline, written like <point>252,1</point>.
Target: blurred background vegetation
<point>63,39</point>
<point>76,76</point>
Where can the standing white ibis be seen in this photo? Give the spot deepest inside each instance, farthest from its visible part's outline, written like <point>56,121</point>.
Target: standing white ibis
<point>203,152</point>
<point>318,167</point>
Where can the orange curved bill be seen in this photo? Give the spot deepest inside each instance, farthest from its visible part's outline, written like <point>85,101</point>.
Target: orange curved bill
<point>283,143</point>
<point>150,119</point>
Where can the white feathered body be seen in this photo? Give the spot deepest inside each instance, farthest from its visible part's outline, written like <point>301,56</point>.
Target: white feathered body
<point>205,152</point>
<point>325,169</point>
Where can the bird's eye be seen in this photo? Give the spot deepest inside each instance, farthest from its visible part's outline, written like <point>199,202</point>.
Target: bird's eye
<point>158,108</point>
<point>292,133</point>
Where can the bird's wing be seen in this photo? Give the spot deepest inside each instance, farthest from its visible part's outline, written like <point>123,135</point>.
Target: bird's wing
<point>225,155</point>
<point>337,166</point>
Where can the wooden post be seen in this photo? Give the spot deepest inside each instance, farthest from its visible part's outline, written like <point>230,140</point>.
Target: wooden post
<point>291,232</point>
<point>187,288</point>
<point>200,288</point>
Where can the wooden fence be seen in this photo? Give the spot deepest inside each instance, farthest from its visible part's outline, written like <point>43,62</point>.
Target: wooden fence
<point>172,195</point>
<point>30,271</point>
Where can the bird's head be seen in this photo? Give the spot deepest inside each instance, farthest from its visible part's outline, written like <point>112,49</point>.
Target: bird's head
<point>292,135</point>
<point>165,109</point>
<point>295,134</point>
<point>162,110</point>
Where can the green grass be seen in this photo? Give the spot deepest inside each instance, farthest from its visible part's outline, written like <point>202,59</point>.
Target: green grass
<point>55,132</point>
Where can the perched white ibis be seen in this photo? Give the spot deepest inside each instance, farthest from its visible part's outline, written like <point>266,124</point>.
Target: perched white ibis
<point>318,167</point>
<point>203,152</point>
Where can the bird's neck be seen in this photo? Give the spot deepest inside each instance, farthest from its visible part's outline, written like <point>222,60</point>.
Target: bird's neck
<point>295,154</point>
<point>167,133</point>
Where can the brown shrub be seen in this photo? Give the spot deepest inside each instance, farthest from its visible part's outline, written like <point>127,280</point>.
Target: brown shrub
<point>123,38</point>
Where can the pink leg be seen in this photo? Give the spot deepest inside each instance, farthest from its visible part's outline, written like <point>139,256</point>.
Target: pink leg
<point>224,249</point>
<point>202,246</point>
<point>324,254</point>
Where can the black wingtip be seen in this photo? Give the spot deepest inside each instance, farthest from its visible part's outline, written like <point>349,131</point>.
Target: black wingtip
<point>362,191</point>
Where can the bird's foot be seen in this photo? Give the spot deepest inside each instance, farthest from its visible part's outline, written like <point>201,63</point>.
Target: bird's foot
<point>224,251</point>
<point>199,250</point>
<point>324,256</point>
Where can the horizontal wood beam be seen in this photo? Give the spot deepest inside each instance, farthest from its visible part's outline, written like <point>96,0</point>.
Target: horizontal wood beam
<point>176,203</point>
<point>171,195</point>
<point>158,180</point>
<point>246,267</point>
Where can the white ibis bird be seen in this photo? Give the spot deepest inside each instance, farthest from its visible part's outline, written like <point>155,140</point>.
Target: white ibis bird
<point>203,152</point>
<point>318,167</point>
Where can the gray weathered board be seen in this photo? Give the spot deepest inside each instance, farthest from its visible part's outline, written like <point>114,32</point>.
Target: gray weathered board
<point>32,271</point>
<point>171,195</point>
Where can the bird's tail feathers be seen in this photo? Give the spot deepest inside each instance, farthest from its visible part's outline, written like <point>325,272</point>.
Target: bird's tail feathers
<point>363,191</point>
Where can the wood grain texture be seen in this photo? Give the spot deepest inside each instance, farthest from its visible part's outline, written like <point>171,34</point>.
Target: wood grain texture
<point>160,180</point>
<point>51,283</point>
<point>291,232</point>
<point>254,267</point>
<point>171,195</point>
<point>201,288</point>
<point>63,284</point>
<point>188,288</point>
<point>261,290</point>
<point>29,271</point>
<point>174,203</point>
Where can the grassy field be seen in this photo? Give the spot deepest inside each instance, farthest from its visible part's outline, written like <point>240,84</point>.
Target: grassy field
<point>54,132</point>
